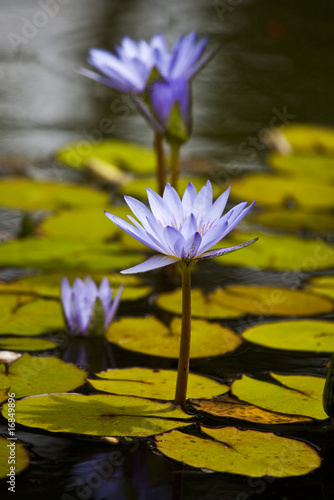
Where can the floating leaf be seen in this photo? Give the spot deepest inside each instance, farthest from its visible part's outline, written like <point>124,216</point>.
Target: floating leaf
<point>33,195</point>
<point>246,452</point>
<point>20,459</point>
<point>26,344</point>
<point>137,188</point>
<point>279,252</point>
<point>98,415</point>
<point>311,167</point>
<point>30,375</point>
<point>310,138</point>
<point>293,220</point>
<point>323,285</point>
<point>154,383</point>
<point>64,254</point>
<point>306,335</point>
<point>35,317</point>
<point>301,395</point>
<point>268,300</point>
<point>48,285</point>
<point>275,189</point>
<point>228,407</point>
<point>3,394</point>
<point>150,336</point>
<point>203,306</point>
<point>125,155</point>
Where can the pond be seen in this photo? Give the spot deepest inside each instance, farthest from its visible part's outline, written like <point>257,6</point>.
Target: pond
<point>262,317</point>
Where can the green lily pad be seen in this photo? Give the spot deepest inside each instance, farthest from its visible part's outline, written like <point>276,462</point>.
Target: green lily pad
<point>246,452</point>
<point>154,383</point>
<point>26,344</point>
<point>63,254</point>
<point>308,139</point>
<point>30,375</point>
<point>268,300</point>
<point>299,395</point>
<point>203,306</point>
<point>98,415</point>
<point>323,285</point>
<point>48,285</point>
<point>33,317</point>
<point>292,220</point>
<point>32,195</point>
<point>229,407</point>
<point>137,187</point>
<point>150,336</point>
<point>279,252</point>
<point>125,155</point>
<point>3,394</point>
<point>307,335</point>
<point>20,458</point>
<point>277,189</point>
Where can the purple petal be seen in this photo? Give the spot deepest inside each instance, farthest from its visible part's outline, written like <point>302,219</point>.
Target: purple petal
<point>123,87</point>
<point>105,293</point>
<point>191,246</point>
<point>213,235</point>
<point>139,209</point>
<point>113,306</point>
<point>203,201</point>
<point>174,240</point>
<point>172,200</point>
<point>143,109</point>
<point>222,251</point>
<point>218,207</point>
<point>238,219</point>
<point>66,293</point>
<point>159,208</point>
<point>189,227</point>
<point>154,262</point>
<point>188,198</point>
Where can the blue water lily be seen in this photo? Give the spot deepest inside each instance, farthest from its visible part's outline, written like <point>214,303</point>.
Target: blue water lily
<point>87,308</point>
<point>181,230</point>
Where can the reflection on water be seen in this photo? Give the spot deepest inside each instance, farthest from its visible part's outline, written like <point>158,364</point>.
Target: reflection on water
<point>275,60</point>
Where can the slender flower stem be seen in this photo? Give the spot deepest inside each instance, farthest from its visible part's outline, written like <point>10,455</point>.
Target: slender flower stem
<point>183,368</point>
<point>158,145</point>
<point>175,148</point>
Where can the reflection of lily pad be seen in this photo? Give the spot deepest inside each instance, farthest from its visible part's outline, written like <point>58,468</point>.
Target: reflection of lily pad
<point>121,154</point>
<point>26,344</point>
<point>277,189</point>
<point>203,306</point>
<point>98,415</point>
<point>37,375</point>
<point>61,254</point>
<point>32,195</point>
<point>246,452</point>
<point>300,395</point>
<point>48,285</point>
<point>309,335</point>
<point>153,383</point>
<point>33,317</point>
<point>20,460</point>
<point>150,336</point>
<point>228,407</point>
<point>279,252</point>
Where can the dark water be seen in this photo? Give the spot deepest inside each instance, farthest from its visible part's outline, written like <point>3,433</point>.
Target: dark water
<point>275,58</point>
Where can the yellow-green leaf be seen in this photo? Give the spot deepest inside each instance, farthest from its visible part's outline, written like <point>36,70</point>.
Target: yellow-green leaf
<point>155,383</point>
<point>246,452</point>
<point>20,457</point>
<point>33,195</point>
<point>64,254</point>
<point>304,335</point>
<point>323,285</point>
<point>30,375</point>
<point>229,407</point>
<point>3,395</point>
<point>98,415</point>
<point>125,155</point>
<point>267,300</point>
<point>293,220</point>
<point>26,344</point>
<point>150,336</point>
<point>277,189</point>
<point>279,252</point>
<point>203,306</point>
<point>35,317</point>
<point>301,395</point>
<point>307,138</point>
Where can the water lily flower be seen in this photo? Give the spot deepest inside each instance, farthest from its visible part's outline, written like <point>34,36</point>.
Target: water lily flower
<point>128,70</point>
<point>88,310</point>
<point>181,230</point>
